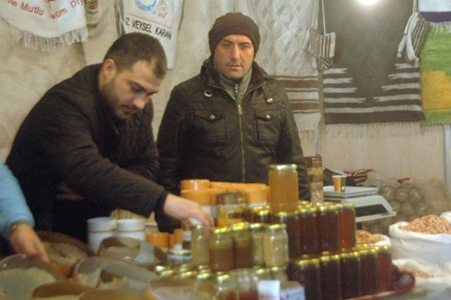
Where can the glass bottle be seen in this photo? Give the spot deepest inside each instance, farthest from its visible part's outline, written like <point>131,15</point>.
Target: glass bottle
<point>283,188</point>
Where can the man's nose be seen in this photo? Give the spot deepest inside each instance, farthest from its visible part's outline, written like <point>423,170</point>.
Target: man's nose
<point>235,52</point>
<point>140,102</point>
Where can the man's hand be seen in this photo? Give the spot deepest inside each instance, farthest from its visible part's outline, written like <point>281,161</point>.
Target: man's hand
<point>184,210</point>
<point>24,240</point>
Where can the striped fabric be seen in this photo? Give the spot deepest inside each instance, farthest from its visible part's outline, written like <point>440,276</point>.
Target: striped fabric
<point>419,33</point>
<point>303,95</point>
<point>368,82</point>
<point>322,47</point>
<point>302,92</point>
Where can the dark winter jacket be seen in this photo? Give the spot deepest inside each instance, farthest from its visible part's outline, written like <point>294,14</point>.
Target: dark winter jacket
<point>204,133</point>
<point>70,136</point>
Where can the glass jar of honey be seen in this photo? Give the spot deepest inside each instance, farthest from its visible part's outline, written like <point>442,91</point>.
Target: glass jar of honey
<point>199,246</point>
<point>308,228</point>
<point>257,232</point>
<point>306,271</point>
<point>347,225</point>
<point>291,221</point>
<point>351,283</point>
<point>242,245</point>
<point>330,276</point>
<point>283,188</point>
<point>260,214</point>
<point>385,267</point>
<point>220,250</point>
<point>230,208</point>
<point>369,270</point>
<point>275,242</point>
<point>328,230</point>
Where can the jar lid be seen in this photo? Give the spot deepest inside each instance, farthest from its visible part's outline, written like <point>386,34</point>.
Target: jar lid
<point>130,224</point>
<point>278,226</point>
<point>283,167</point>
<point>242,226</point>
<point>101,224</point>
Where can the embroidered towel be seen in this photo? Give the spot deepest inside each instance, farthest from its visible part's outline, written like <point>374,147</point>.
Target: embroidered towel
<point>44,25</point>
<point>160,19</point>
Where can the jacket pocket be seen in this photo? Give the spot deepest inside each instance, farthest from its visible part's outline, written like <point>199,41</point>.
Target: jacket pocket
<point>268,124</point>
<point>209,127</point>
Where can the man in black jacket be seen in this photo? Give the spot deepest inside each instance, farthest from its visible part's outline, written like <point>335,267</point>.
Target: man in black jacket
<point>231,121</point>
<point>87,147</point>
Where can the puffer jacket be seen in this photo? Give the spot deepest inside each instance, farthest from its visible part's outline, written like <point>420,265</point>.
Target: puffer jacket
<point>204,133</point>
<point>70,137</point>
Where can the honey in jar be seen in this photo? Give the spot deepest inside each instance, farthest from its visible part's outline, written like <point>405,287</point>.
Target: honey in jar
<point>275,242</point>
<point>385,267</point>
<point>351,283</point>
<point>283,188</point>
<point>308,230</point>
<point>328,229</point>
<point>242,245</point>
<point>347,225</point>
<point>291,221</point>
<point>220,250</point>
<point>230,207</point>
<point>330,276</point>
<point>306,271</point>
<point>369,270</point>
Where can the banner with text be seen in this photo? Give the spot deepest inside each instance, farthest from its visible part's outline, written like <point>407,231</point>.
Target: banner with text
<point>159,18</point>
<point>45,25</point>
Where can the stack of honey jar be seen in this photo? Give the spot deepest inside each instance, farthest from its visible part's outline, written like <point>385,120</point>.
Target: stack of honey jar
<point>263,227</point>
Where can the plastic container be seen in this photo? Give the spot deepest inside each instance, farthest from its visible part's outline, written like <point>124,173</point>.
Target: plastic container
<point>132,228</point>
<point>98,229</point>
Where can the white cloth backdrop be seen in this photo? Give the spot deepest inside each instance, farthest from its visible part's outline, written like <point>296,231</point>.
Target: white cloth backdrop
<point>26,74</point>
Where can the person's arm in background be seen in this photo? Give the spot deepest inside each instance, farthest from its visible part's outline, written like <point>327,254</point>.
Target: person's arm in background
<point>16,220</point>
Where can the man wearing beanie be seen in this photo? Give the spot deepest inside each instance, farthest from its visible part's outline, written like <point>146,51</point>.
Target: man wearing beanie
<point>231,121</point>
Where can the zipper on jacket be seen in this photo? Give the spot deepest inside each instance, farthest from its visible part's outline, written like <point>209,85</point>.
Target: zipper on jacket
<point>240,114</point>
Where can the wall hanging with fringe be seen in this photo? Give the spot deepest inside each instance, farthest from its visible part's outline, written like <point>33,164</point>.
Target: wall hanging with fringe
<point>368,83</point>
<point>45,25</point>
<point>435,62</point>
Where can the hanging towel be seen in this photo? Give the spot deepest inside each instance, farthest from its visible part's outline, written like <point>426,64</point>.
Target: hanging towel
<point>45,24</point>
<point>160,19</point>
<point>412,41</point>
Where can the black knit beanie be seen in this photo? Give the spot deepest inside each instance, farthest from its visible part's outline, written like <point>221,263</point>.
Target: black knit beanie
<point>233,23</point>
